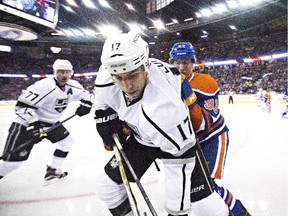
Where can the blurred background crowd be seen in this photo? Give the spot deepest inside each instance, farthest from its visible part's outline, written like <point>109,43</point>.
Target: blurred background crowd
<point>242,78</point>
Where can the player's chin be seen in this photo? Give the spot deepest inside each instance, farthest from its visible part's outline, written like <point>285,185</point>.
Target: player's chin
<point>63,82</point>
<point>184,72</point>
<point>133,95</point>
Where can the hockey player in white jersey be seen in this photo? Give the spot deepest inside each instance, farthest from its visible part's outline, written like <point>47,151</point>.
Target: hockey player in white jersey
<point>146,95</point>
<point>39,107</point>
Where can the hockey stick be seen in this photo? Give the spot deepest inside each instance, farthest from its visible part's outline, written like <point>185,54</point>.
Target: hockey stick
<point>30,141</point>
<point>119,147</point>
<point>126,183</point>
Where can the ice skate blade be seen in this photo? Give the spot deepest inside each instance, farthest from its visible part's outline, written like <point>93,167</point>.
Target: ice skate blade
<point>54,181</point>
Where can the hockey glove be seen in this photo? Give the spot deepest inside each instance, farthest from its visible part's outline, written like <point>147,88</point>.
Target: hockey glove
<point>108,123</point>
<point>84,108</point>
<point>36,132</point>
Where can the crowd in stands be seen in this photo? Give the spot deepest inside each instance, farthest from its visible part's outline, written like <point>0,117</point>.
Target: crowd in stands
<point>247,78</point>
<point>243,78</point>
<point>16,64</point>
<point>11,87</point>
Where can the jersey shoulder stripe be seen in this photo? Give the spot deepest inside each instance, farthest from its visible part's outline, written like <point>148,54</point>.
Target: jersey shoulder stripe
<point>74,84</point>
<point>104,85</point>
<point>45,95</point>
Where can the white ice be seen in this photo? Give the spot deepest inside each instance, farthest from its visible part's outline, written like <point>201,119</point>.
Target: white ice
<point>256,168</point>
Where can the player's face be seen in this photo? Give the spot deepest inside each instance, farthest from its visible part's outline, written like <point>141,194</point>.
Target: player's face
<point>132,83</point>
<point>63,76</point>
<point>185,66</point>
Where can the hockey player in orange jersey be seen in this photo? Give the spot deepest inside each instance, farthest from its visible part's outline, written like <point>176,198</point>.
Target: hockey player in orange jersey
<point>207,120</point>
<point>267,101</point>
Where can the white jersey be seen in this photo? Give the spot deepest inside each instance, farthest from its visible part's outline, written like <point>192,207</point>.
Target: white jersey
<point>159,118</point>
<point>46,101</point>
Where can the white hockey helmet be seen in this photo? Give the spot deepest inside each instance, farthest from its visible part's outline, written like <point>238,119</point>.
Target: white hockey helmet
<point>124,53</point>
<point>62,64</point>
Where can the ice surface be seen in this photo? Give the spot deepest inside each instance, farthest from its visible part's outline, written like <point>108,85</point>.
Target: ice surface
<point>256,168</point>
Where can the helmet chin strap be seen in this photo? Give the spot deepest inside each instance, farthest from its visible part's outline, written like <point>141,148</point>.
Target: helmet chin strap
<point>147,67</point>
<point>147,79</point>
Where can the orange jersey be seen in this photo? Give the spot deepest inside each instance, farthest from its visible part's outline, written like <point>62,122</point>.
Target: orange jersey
<point>206,117</point>
<point>267,97</point>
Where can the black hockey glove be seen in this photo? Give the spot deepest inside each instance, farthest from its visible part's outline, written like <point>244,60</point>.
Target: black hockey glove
<point>36,132</point>
<point>84,108</point>
<point>108,123</point>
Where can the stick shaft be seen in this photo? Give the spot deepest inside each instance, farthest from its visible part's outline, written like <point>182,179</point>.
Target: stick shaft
<point>119,146</point>
<point>70,117</point>
<point>126,183</point>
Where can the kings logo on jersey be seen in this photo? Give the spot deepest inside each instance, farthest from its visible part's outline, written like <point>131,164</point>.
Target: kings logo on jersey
<point>61,104</point>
